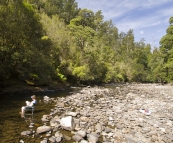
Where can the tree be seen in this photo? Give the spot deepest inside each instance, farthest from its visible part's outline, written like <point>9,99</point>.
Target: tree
<point>23,50</point>
<point>166,49</point>
<point>81,30</point>
<point>66,9</point>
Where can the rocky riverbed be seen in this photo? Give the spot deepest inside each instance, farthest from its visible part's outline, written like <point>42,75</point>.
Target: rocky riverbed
<point>130,113</point>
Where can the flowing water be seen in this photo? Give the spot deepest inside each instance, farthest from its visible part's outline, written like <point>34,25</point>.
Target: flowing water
<point>11,123</point>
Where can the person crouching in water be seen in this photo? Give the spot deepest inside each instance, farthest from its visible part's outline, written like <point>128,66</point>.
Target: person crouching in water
<point>29,105</point>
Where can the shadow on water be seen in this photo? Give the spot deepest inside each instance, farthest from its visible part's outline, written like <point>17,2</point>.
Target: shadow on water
<point>11,123</point>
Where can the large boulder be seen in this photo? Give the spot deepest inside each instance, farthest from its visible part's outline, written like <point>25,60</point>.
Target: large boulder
<point>67,123</point>
<point>43,129</point>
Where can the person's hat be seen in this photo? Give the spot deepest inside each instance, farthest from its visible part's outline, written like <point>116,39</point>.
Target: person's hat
<point>33,96</point>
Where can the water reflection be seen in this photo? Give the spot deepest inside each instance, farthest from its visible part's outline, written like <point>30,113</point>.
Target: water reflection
<point>11,123</point>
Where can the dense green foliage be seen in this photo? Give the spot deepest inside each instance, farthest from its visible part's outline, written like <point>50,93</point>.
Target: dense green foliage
<point>49,41</point>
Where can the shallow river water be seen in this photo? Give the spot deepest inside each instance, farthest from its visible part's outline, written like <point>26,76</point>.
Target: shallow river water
<point>11,123</point>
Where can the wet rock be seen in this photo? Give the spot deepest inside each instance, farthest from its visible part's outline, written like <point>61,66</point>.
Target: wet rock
<point>77,138</point>
<point>44,141</point>
<point>66,137</point>
<point>52,139</point>
<point>54,123</point>
<point>46,118</point>
<point>24,133</point>
<point>43,129</point>
<point>83,141</point>
<point>58,134</point>
<point>58,139</point>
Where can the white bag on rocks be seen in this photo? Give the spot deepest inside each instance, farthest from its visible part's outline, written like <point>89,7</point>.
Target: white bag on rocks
<point>67,123</point>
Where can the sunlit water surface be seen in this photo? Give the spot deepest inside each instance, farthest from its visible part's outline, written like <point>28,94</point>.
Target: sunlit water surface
<point>11,123</point>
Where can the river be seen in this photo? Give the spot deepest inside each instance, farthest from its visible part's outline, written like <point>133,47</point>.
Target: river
<point>11,123</point>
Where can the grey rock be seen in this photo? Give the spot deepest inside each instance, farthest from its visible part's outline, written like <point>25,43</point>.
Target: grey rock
<point>66,137</point>
<point>24,133</point>
<point>77,138</point>
<point>43,129</point>
<point>58,134</point>
<point>43,141</point>
<point>92,138</point>
<point>74,114</point>
<point>81,133</point>
<point>58,139</point>
<point>83,141</point>
<point>52,139</point>
<point>119,126</point>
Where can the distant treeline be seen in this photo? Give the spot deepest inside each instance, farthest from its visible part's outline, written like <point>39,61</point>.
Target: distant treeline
<point>53,41</point>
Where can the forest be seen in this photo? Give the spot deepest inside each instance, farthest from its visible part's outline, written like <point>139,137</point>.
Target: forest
<point>45,42</point>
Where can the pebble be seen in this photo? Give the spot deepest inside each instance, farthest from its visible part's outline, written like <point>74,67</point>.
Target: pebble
<point>114,114</point>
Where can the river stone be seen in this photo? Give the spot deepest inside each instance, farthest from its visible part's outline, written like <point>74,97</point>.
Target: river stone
<point>67,123</point>
<point>98,128</point>
<point>43,129</point>
<point>58,134</point>
<point>120,110</point>
<point>83,141</point>
<point>77,138</point>
<point>81,133</point>
<point>110,134</point>
<point>53,123</point>
<point>45,118</point>
<point>58,139</point>
<point>24,133</point>
<point>108,129</point>
<point>151,133</point>
<point>119,126</point>
<point>52,139</point>
<point>128,138</point>
<point>84,119</point>
<point>74,114</point>
<point>48,134</point>
<point>92,138</point>
<point>110,118</point>
<point>154,138</point>
<point>170,136</point>
<point>66,137</point>
<point>43,141</point>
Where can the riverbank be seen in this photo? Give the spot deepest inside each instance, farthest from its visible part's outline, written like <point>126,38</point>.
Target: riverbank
<point>23,88</point>
<point>115,113</point>
<point>127,113</point>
